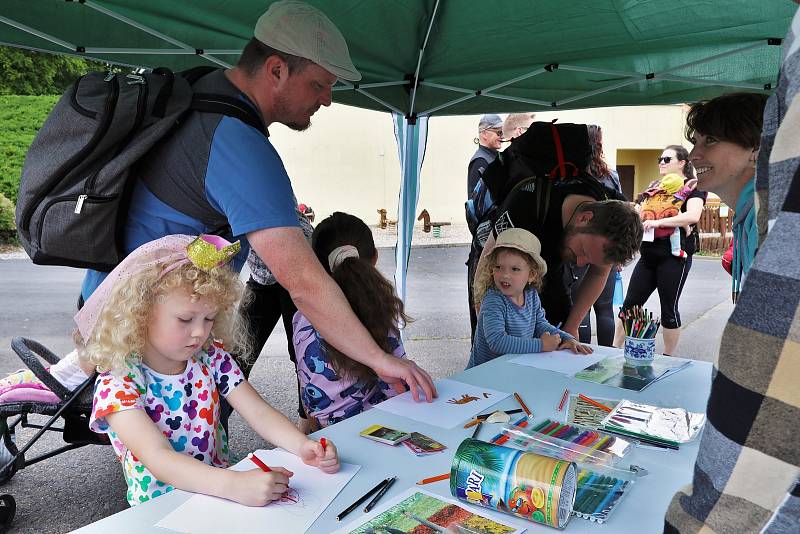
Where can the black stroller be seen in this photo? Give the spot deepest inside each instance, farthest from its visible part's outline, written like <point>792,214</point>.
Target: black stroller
<point>74,408</point>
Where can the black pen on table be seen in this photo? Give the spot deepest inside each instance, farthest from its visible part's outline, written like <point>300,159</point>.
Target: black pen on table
<point>377,497</point>
<point>363,498</point>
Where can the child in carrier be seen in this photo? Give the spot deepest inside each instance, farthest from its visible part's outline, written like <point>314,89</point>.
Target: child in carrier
<point>663,198</point>
<point>155,329</point>
<point>335,387</point>
<point>511,318</point>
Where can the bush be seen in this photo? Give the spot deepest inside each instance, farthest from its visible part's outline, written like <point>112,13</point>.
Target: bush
<point>8,230</point>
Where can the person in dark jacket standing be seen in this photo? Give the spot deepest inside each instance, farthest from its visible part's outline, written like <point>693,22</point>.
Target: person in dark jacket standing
<point>489,140</point>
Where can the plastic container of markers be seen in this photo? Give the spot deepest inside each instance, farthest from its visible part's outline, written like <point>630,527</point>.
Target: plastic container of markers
<point>600,491</point>
<point>571,442</point>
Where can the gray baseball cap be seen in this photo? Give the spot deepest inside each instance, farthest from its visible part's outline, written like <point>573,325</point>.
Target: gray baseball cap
<point>490,120</point>
<point>302,30</point>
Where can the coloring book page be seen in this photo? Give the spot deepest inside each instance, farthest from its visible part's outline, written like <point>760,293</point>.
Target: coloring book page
<point>419,510</point>
<point>457,402</point>
<point>310,493</point>
<point>565,362</point>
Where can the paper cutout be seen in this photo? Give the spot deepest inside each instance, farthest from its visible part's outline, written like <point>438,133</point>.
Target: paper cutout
<point>457,402</point>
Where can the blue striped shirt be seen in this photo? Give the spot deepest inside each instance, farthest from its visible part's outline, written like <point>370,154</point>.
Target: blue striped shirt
<point>505,328</point>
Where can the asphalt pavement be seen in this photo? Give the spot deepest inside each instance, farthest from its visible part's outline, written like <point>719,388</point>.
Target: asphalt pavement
<point>81,486</point>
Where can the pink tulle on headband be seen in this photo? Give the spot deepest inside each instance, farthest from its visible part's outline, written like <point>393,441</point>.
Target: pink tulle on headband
<point>205,252</point>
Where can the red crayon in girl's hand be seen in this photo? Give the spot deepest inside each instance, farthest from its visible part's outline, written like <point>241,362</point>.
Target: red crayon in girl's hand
<point>324,443</point>
<point>256,460</point>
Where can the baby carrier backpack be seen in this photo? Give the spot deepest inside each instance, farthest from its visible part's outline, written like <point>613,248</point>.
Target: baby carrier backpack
<point>78,174</point>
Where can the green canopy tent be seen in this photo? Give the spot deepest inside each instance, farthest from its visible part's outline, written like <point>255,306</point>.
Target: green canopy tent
<point>446,57</point>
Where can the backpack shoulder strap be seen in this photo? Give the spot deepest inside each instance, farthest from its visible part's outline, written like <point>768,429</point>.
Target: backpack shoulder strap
<point>230,106</point>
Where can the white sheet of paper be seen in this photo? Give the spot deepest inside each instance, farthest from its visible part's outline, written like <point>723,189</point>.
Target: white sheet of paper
<point>649,234</point>
<point>565,361</point>
<point>313,489</point>
<point>456,403</point>
<point>519,524</point>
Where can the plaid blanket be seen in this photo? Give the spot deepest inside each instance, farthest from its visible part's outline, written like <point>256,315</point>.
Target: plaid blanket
<point>746,474</point>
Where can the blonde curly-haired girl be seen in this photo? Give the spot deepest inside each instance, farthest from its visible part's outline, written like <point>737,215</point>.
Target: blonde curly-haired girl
<point>158,328</point>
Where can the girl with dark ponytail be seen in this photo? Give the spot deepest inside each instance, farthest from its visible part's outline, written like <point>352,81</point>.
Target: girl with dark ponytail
<point>335,387</point>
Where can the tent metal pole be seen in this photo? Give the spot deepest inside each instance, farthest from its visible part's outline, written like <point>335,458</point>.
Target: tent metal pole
<point>593,70</point>
<point>711,58</point>
<point>447,87</point>
<point>370,85</point>
<point>71,53</point>
<point>142,51</point>
<point>151,31</point>
<point>37,33</point>
<point>431,111</point>
<point>357,88</point>
<point>419,59</point>
<point>701,81</point>
<point>600,91</point>
<point>137,25</point>
<point>518,99</point>
<point>379,101</point>
<point>486,92</point>
<point>514,80</point>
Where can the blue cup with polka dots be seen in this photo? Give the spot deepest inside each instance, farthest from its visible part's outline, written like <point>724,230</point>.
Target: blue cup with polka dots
<point>639,351</point>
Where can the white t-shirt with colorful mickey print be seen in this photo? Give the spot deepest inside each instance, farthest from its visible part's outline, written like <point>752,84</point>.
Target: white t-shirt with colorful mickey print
<point>184,407</point>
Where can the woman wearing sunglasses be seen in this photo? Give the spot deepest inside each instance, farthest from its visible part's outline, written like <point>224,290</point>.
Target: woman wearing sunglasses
<point>659,268</point>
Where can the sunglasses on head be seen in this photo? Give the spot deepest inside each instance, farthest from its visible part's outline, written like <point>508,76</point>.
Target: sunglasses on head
<point>665,159</point>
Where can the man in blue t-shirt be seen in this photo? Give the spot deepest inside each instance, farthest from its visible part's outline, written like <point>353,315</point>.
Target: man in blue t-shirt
<point>286,73</point>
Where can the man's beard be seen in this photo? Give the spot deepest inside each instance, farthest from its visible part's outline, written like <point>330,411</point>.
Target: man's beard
<point>566,253</point>
<point>282,113</point>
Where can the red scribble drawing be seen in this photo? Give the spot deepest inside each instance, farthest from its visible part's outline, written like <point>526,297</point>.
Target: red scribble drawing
<point>296,504</point>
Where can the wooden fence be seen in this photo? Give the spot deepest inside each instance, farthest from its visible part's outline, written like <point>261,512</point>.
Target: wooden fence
<point>715,231</point>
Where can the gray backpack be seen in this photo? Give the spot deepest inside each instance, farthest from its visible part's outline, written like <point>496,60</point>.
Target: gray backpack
<point>78,174</point>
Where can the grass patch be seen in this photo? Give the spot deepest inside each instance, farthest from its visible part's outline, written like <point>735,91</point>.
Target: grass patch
<point>21,117</point>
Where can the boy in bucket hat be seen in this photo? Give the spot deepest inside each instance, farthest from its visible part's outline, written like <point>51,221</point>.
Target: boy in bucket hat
<point>511,318</point>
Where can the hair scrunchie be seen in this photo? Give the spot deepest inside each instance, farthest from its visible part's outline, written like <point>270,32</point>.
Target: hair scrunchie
<point>339,254</point>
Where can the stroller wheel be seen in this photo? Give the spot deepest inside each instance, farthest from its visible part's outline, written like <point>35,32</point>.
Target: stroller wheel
<point>8,508</point>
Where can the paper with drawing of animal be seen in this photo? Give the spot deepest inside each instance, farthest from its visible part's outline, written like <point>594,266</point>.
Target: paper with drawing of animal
<point>310,493</point>
<point>457,402</point>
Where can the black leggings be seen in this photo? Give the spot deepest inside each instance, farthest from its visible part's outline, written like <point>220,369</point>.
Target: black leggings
<point>269,303</point>
<point>659,270</point>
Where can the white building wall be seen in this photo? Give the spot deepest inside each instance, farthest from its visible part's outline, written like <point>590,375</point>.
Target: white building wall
<point>348,160</point>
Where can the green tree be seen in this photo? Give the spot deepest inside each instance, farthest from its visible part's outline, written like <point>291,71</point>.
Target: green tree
<point>23,72</point>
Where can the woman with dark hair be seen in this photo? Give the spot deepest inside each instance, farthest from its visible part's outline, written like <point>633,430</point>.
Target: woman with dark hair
<point>335,387</point>
<point>603,306</point>
<point>659,267</point>
<point>726,133</point>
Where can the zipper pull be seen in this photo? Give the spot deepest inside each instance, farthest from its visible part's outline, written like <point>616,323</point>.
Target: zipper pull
<point>109,77</point>
<point>79,205</point>
<point>135,79</point>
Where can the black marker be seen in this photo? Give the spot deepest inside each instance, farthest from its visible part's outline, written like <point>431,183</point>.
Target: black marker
<point>362,499</point>
<point>377,497</point>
